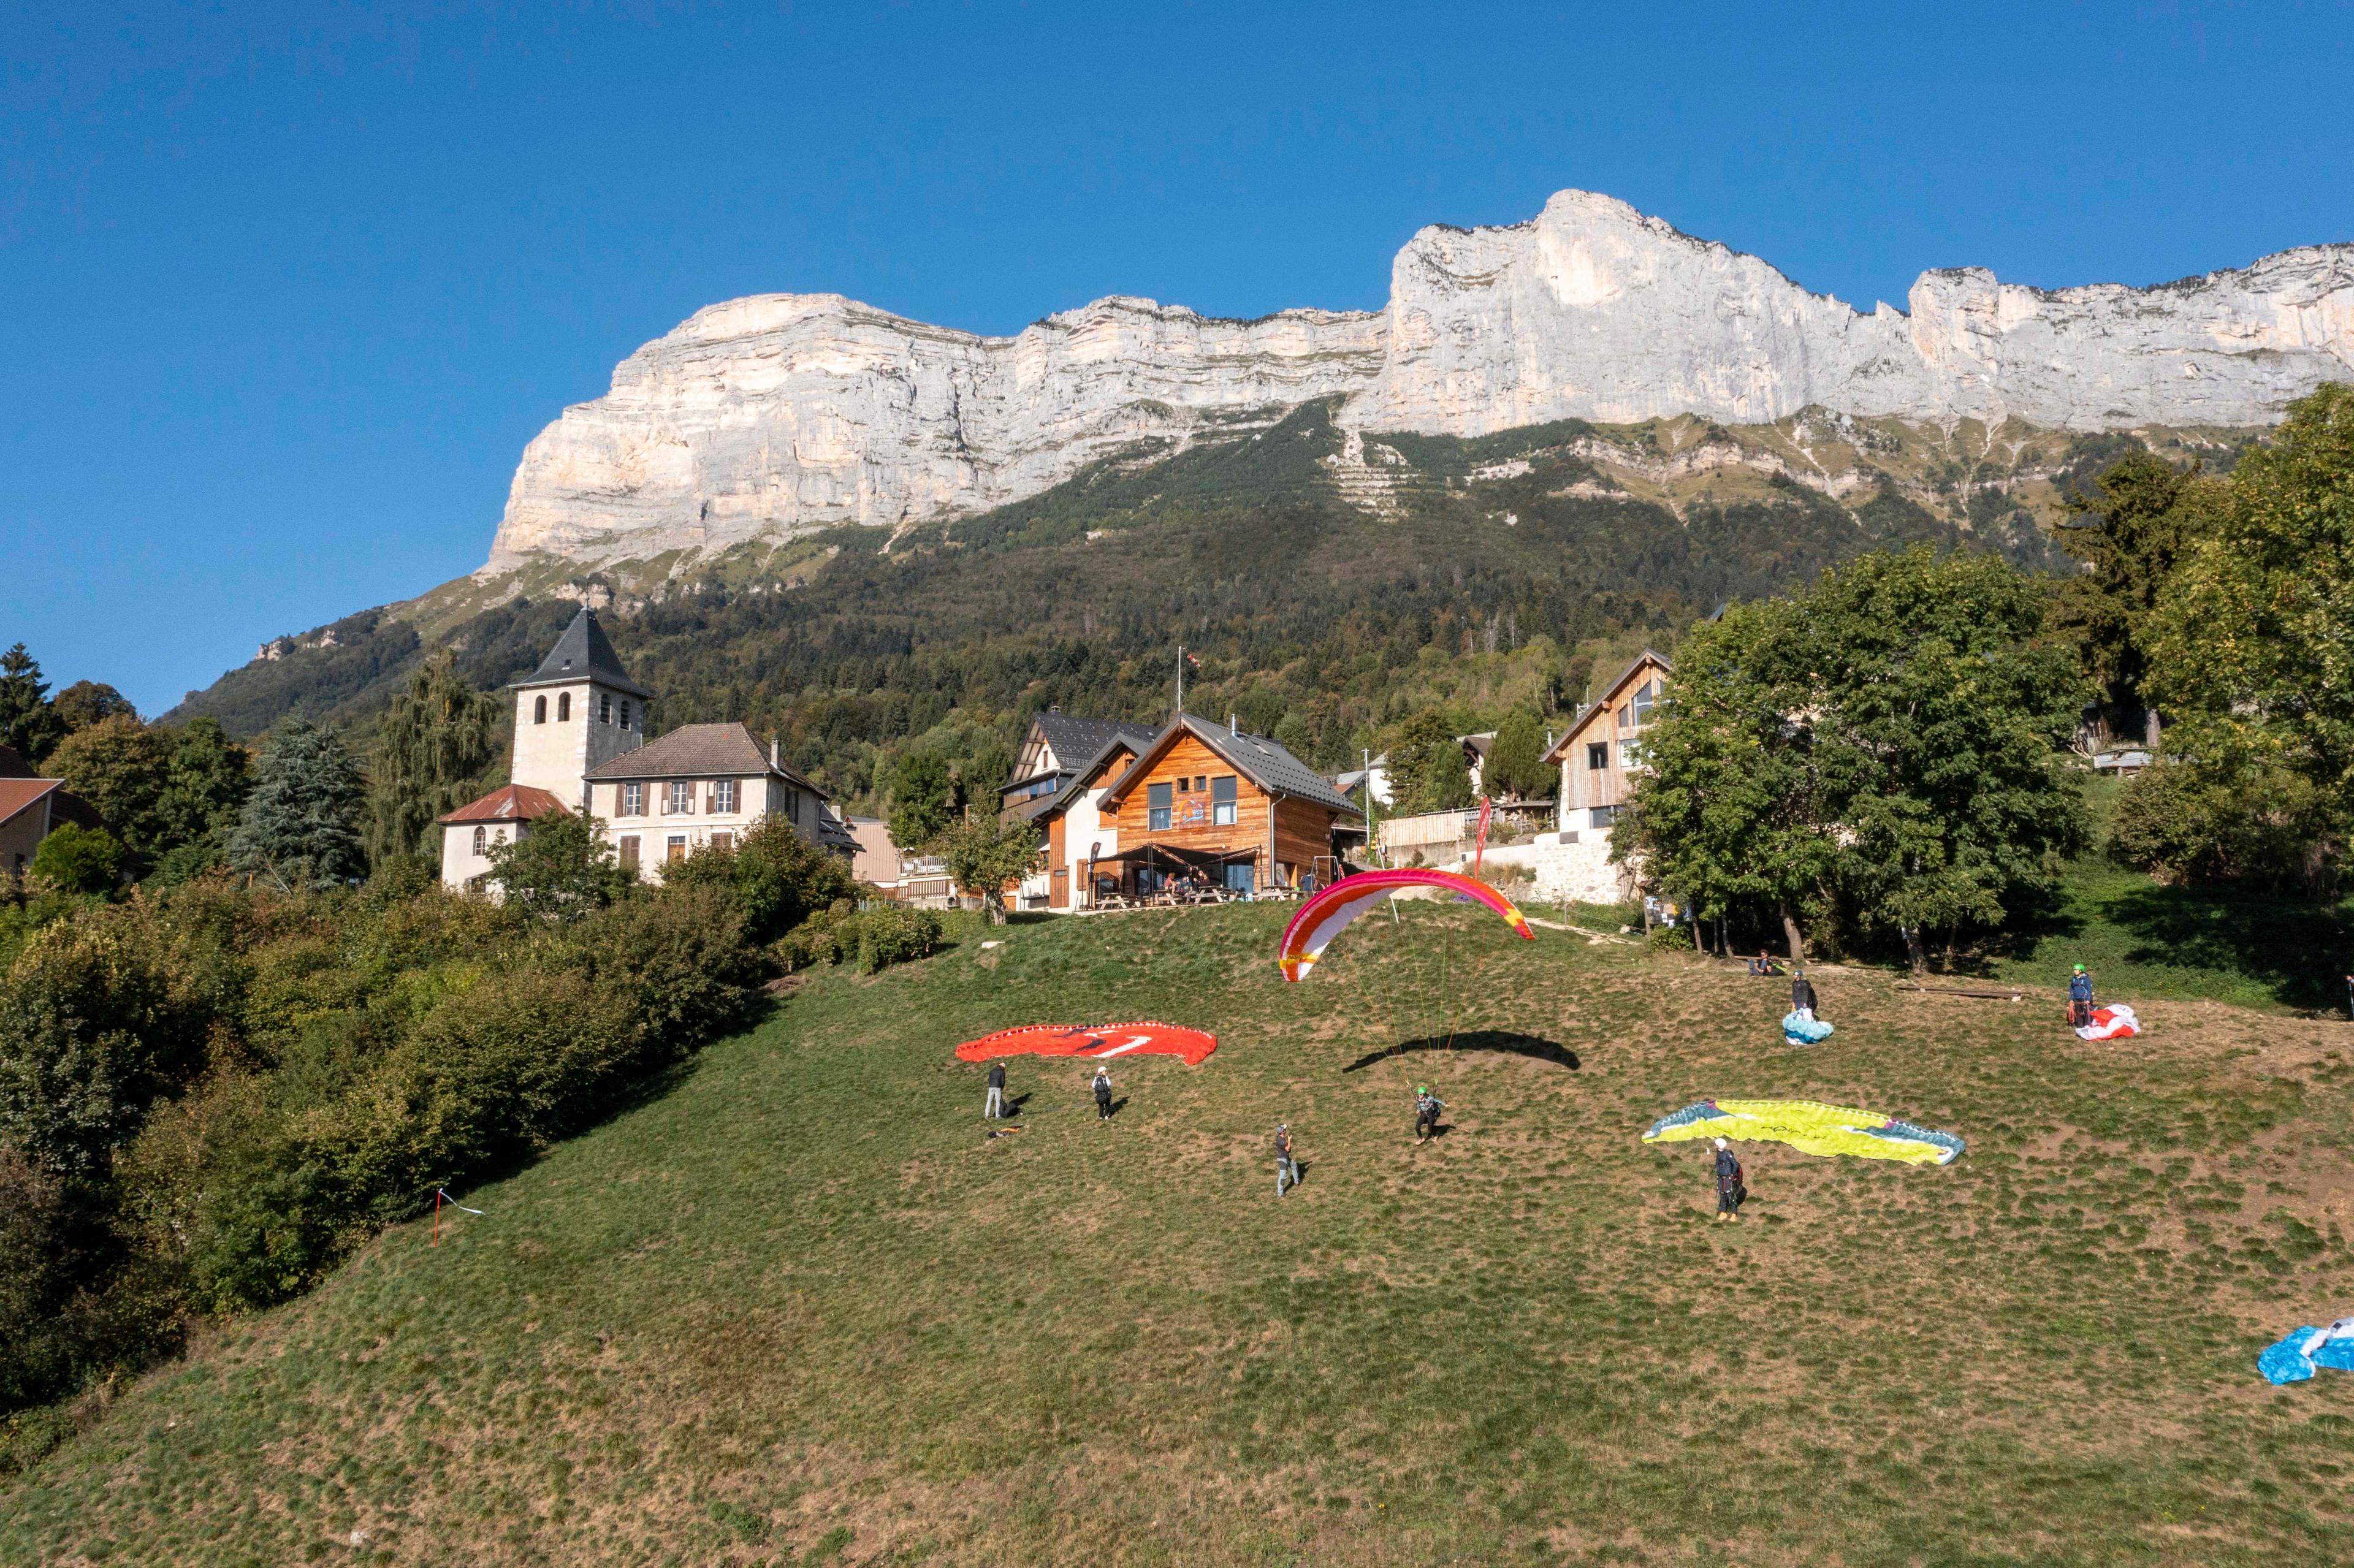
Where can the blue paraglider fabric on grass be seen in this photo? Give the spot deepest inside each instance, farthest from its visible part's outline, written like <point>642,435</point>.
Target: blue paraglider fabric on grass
<point>2293,1356</point>
<point>1801,1030</point>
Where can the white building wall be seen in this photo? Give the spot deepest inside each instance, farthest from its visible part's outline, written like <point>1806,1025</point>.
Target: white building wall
<point>459,864</point>
<point>555,755</point>
<point>1086,836</point>
<point>655,827</point>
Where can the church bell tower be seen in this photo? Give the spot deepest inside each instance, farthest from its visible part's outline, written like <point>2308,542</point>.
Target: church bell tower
<point>578,710</point>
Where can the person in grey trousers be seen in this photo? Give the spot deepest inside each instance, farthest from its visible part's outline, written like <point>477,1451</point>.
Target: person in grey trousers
<point>1287,1169</point>
<point>996,1106</point>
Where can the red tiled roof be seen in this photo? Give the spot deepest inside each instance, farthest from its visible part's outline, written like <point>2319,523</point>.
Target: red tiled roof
<point>16,794</point>
<point>515,803</point>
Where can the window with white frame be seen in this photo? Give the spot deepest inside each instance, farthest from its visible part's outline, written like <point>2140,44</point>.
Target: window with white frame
<point>1630,755</point>
<point>679,798</point>
<point>723,796</point>
<point>1644,695</point>
<point>633,801</point>
<point>481,840</point>
<point>1221,801</point>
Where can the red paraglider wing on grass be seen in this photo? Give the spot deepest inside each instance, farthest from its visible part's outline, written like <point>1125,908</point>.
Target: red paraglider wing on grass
<point>1102,1040</point>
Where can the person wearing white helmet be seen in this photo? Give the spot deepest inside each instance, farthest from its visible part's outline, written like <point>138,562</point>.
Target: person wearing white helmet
<point>1730,1192</point>
<point>1287,1170</point>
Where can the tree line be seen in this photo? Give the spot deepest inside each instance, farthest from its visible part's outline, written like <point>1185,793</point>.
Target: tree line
<point>1891,756</point>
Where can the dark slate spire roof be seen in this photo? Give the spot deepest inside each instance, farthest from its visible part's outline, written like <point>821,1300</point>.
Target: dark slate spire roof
<point>584,653</point>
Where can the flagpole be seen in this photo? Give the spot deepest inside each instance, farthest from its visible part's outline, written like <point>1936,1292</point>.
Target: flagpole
<point>1180,678</point>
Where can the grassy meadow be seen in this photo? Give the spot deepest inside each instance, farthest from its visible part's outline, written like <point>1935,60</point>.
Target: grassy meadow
<point>794,1308</point>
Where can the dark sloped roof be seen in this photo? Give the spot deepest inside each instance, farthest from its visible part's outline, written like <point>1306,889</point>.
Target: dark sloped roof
<point>700,751</point>
<point>1076,780</point>
<point>585,653</point>
<point>1265,762</point>
<point>1075,740</point>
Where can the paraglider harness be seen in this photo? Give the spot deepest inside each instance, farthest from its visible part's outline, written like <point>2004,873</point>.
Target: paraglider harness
<point>1426,1107</point>
<point>2080,1000</point>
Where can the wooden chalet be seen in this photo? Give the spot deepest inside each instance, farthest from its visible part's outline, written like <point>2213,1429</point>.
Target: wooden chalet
<point>1210,802</point>
<point>1054,746</point>
<point>1602,754</point>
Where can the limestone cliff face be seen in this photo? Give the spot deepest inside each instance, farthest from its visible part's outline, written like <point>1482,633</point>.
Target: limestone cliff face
<point>784,413</point>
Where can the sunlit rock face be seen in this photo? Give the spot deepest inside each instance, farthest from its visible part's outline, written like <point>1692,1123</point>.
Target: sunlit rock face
<point>784,413</point>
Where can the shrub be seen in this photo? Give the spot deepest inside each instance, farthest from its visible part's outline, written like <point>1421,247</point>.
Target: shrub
<point>680,958</point>
<point>776,878</point>
<point>1672,939</point>
<point>874,939</point>
<point>75,859</point>
<point>888,937</point>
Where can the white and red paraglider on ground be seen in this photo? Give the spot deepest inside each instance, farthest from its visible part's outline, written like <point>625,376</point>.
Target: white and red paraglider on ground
<point>1192,1046</point>
<point>2112,1022</point>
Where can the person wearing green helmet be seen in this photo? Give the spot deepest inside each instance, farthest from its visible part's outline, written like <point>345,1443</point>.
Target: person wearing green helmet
<point>2080,998</point>
<point>1426,1107</point>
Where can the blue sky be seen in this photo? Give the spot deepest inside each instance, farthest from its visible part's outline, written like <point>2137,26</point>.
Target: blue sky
<point>288,288</point>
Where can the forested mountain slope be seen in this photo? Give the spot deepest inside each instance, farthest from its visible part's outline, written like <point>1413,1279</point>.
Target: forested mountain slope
<point>1328,581</point>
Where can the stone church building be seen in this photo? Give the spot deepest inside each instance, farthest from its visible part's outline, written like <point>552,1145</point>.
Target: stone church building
<point>581,745</point>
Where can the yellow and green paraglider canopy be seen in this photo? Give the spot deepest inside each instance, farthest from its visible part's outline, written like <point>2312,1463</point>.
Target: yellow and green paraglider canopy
<point>1810,1127</point>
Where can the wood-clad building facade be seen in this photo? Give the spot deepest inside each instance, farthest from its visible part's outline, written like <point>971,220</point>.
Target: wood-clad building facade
<point>1603,752</point>
<point>1202,799</point>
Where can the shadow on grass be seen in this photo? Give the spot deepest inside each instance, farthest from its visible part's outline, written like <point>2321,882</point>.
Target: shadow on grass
<point>2295,948</point>
<point>1502,1040</point>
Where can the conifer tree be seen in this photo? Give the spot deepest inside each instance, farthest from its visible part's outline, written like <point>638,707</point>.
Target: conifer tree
<point>1516,761</point>
<point>434,753</point>
<point>27,721</point>
<point>302,822</point>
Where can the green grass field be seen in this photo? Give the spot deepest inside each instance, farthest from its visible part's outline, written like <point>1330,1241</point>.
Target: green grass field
<point>794,1308</point>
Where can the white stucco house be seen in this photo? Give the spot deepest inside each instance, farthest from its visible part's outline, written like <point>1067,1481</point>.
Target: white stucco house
<point>581,745</point>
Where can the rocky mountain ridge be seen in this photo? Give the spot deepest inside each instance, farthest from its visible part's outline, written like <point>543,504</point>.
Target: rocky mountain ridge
<point>778,415</point>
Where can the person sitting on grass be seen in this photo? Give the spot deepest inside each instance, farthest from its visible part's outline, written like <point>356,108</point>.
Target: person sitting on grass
<point>2080,998</point>
<point>1763,965</point>
<point>1729,1193</point>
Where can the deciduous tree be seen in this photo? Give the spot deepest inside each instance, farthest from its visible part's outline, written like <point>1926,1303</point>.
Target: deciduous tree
<point>2251,641</point>
<point>562,869</point>
<point>433,754</point>
<point>85,702</point>
<point>920,793</point>
<point>985,853</point>
<point>121,768</point>
<point>1889,745</point>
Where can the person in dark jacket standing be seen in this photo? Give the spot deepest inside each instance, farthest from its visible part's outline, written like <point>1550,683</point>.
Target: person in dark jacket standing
<point>1802,995</point>
<point>2080,998</point>
<point>1729,1189</point>
<point>996,1106</point>
<point>1103,1094</point>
